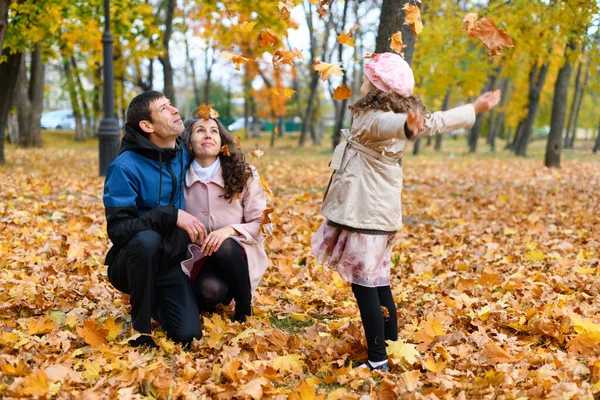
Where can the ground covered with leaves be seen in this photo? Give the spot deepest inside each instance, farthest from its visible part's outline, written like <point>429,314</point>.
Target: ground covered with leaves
<point>495,273</point>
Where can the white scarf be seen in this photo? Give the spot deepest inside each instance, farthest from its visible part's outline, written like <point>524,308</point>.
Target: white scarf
<point>206,174</point>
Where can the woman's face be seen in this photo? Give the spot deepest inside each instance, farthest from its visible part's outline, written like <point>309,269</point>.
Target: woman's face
<point>366,86</point>
<point>205,140</point>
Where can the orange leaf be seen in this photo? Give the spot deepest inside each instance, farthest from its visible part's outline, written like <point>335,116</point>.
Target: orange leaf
<point>238,142</point>
<point>225,151</point>
<point>283,57</point>
<point>256,153</point>
<point>388,390</point>
<point>345,38</point>
<point>413,17</point>
<point>237,60</point>
<point>285,8</point>
<point>342,92</point>
<point>265,218</point>
<point>397,45</point>
<point>36,384</point>
<point>267,37</point>
<point>497,354</point>
<point>205,111</point>
<point>276,131</point>
<point>493,38</point>
<point>326,70</point>
<point>93,335</point>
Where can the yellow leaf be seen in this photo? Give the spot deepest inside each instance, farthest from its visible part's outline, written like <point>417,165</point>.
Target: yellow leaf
<point>397,45</point>
<point>13,370</point>
<point>326,70</point>
<point>298,317</point>
<point>342,92</point>
<point>413,17</point>
<point>92,370</point>
<point>38,326</point>
<point>237,60</point>
<point>304,391</point>
<point>434,366</point>
<point>254,388</point>
<point>36,384</point>
<point>403,351</point>
<point>345,38</point>
<point>497,354</point>
<point>113,329</point>
<point>247,26</point>
<point>535,255</point>
<point>230,368</point>
<point>292,363</point>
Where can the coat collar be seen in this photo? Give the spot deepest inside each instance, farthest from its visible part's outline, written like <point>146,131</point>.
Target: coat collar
<point>191,177</point>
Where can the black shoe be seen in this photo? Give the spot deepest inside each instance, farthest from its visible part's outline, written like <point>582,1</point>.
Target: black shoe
<point>143,340</point>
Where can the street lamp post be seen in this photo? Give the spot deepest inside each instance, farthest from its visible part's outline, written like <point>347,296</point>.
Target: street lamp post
<point>109,132</point>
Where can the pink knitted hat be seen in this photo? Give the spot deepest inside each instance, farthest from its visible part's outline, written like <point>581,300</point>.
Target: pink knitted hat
<point>389,72</point>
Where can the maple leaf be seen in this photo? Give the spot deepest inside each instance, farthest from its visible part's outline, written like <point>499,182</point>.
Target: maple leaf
<point>205,111</point>
<point>237,60</point>
<point>254,388</point>
<point>432,365</point>
<point>403,351</point>
<point>225,151</point>
<point>292,363</point>
<point>388,390</point>
<point>113,329</point>
<point>326,70</point>
<point>285,8</point>
<point>485,30</point>
<point>230,368</point>
<point>345,38</point>
<point>36,384</point>
<point>246,27</point>
<point>13,370</point>
<point>267,37</point>
<point>305,391</point>
<point>92,334</point>
<point>283,57</point>
<point>583,344</point>
<point>39,326</point>
<point>342,92</point>
<point>256,153</point>
<point>285,94</point>
<point>238,142</point>
<point>397,45</point>
<point>413,17</point>
<point>497,354</point>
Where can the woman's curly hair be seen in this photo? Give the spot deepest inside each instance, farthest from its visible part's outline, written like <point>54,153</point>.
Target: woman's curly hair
<point>236,171</point>
<point>378,100</point>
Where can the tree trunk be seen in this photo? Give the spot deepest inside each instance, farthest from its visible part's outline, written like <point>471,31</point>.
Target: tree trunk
<point>416,146</point>
<point>36,97</point>
<point>23,104</point>
<point>208,68</point>
<point>96,98</point>
<point>4,5</point>
<point>165,60</point>
<point>339,121</point>
<point>573,104</point>
<point>9,73</point>
<point>438,138</point>
<point>193,77</point>
<point>536,82</point>
<point>497,124</point>
<point>559,111</point>
<point>83,96</point>
<point>475,131</point>
<point>597,144</point>
<point>392,21</point>
<point>578,108</point>
<point>79,133</point>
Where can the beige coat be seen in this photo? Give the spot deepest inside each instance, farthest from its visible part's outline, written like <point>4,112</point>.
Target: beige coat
<point>365,187</point>
<point>204,201</point>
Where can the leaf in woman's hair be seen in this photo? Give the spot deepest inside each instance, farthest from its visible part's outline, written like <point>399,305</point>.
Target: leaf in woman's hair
<point>225,151</point>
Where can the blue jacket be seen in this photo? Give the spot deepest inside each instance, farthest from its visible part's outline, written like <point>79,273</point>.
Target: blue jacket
<point>143,190</point>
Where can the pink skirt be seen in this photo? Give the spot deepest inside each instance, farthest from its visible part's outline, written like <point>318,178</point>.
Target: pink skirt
<point>359,258</point>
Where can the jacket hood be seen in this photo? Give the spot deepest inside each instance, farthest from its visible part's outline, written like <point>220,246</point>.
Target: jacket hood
<point>139,143</point>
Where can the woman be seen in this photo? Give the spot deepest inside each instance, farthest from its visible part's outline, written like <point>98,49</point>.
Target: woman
<point>225,194</point>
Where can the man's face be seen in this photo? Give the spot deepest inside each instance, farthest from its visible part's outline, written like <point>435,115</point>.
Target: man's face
<point>166,123</point>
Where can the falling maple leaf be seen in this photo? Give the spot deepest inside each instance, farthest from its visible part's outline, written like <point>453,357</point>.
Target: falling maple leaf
<point>413,17</point>
<point>345,38</point>
<point>225,151</point>
<point>285,94</point>
<point>284,57</point>
<point>326,70</point>
<point>342,92</point>
<point>485,30</point>
<point>285,8</point>
<point>267,37</point>
<point>237,60</point>
<point>256,153</point>
<point>206,111</point>
<point>397,45</point>
<point>276,131</point>
<point>246,27</point>
<point>237,142</point>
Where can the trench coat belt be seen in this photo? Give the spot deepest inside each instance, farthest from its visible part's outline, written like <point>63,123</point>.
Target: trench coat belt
<point>340,150</point>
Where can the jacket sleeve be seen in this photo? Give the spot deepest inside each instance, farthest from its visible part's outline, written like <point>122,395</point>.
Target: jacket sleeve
<point>388,125</point>
<point>122,215</point>
<point>254,202</point>
<point>447,121</point>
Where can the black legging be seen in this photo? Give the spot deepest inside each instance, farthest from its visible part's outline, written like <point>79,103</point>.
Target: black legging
<point>378,328</point>
<point>223,276</point>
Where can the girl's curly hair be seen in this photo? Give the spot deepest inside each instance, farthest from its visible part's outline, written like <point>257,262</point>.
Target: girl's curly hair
<point>378,100</point>
<point>236,171</point>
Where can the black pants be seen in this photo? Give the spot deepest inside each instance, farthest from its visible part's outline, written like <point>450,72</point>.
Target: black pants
<point>165,294</point>
<point>378,328</point>
<point>223,276</point>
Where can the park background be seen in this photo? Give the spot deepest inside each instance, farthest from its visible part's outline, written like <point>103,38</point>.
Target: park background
<point>495,271</point>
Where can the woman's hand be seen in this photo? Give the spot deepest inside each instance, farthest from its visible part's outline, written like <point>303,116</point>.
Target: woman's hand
<point>192,225</point>
<point>215,239</point>
<point>415,123</point>
<point>487,101</point>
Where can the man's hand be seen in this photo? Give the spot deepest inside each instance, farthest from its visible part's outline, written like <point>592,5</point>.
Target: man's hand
<point>487,101</point>
<point>415,122</point>
<point>191,225</point>
<point>215,239</point>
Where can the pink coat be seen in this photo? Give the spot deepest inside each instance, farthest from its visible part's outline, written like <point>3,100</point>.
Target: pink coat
<point>204,200</point>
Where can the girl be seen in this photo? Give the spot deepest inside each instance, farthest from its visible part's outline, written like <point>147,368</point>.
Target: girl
<point>225,194</point>
<point>362,201</point>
